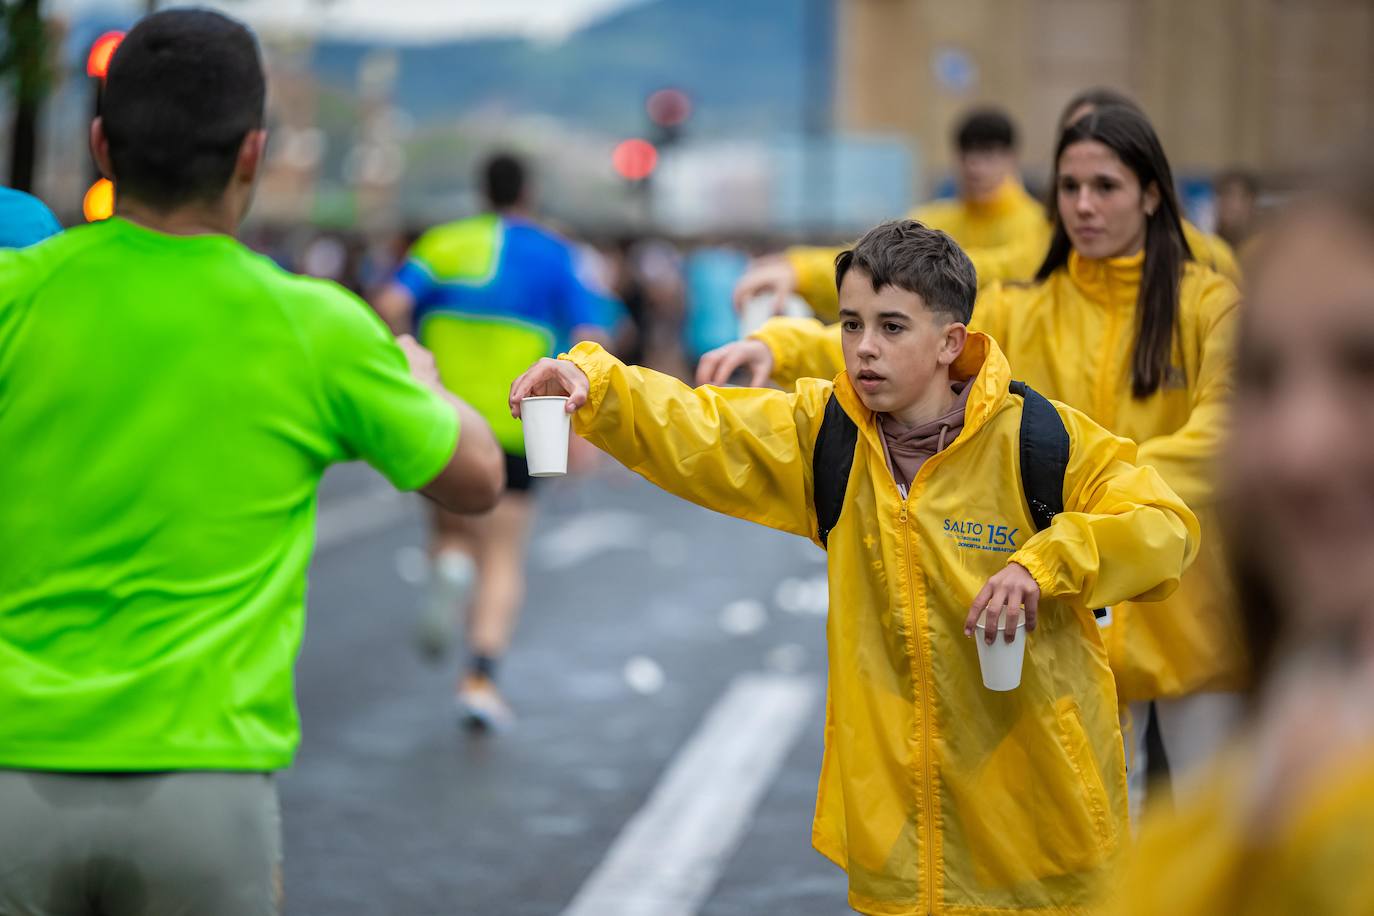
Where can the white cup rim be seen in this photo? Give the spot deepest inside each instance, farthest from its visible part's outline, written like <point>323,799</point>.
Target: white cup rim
<point>546,397</point>
<point>1002,625</point>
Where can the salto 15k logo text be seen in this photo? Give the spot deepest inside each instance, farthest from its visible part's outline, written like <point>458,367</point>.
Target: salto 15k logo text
<point>982,535</point>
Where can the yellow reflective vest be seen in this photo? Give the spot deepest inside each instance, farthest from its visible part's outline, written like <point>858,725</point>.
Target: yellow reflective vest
<point>1071,338</point>
<point>936,795</point>
<point>1008,249</point>
<point>1207,857</point>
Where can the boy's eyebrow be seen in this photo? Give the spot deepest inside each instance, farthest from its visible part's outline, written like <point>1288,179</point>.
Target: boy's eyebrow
<point>850,313</point>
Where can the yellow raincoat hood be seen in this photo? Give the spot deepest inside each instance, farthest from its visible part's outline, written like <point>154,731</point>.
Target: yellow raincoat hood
<point>936,795</point>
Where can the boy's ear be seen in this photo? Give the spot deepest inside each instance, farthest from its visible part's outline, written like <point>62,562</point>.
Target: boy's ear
<point>956,335</point>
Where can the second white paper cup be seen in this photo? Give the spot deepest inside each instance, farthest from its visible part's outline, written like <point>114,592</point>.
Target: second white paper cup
<point>1001,661</point>
<point>546,421</point>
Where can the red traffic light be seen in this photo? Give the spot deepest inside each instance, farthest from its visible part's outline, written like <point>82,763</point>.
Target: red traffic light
<point>668,107</point>
<point>634,159</point>
<point>98,61</point>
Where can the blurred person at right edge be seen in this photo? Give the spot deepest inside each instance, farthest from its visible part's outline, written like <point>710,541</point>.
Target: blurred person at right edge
<point>992,214</point>
<point>489,295</point>
<point>1284,821</point>
<point>1014,250</point>
<point>1124,325</point>
<point>1237,193</point>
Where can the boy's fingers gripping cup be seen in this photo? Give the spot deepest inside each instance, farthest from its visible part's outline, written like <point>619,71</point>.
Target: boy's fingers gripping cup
<point>1001,661</point>
<point>546,421</point>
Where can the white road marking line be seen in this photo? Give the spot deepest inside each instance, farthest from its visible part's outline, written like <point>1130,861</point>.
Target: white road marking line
<point>667,859</point>
<point>341,520</point>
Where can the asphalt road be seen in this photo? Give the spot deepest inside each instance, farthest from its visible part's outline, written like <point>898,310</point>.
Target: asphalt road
<point>668,675</point>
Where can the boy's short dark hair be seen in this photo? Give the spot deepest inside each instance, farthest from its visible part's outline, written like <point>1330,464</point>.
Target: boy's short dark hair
<point>910,256</point>
<point>984,130</point>
<point>503,180</point>
<point>184,88</point>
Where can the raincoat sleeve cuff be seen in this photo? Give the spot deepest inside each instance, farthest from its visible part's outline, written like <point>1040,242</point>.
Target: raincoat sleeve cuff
<point>597,364</point>
<point>1038,570</point>
<point>784,372</point>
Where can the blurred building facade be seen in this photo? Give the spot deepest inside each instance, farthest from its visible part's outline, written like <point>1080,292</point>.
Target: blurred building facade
<point>1257,83</point>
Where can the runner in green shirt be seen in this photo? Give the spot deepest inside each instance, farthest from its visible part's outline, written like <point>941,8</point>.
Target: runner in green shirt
<point>168,403</point>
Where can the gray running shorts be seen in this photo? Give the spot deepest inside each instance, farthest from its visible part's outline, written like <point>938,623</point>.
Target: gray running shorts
<point>153,844</point>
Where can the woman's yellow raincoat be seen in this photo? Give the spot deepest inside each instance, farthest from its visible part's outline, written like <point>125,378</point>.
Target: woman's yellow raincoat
<point>936,795</point>
<point>1071,337</point>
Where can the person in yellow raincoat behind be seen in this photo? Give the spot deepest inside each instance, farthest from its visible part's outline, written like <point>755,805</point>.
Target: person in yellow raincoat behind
<point>1121,325</point>
<point>936,794</point>
<point>1284,822</point>
<point>1001,228</point>
<point>1006,238</point>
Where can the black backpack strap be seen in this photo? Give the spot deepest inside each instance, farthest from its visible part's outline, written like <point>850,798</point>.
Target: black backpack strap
<point>831,462</point>
<point>1044,459</point>
<point>1044,455</point>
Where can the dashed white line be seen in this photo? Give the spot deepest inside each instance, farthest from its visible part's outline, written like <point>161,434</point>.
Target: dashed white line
<point>669,856</point>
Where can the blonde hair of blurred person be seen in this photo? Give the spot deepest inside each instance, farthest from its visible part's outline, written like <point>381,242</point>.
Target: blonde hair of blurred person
<point>991,211</point>
<point>1124,325</point>
<point>1285,823</point>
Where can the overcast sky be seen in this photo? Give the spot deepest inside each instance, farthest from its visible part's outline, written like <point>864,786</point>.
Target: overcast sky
<point>418,20</point>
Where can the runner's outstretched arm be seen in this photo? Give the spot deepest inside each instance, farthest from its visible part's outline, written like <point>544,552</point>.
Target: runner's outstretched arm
<point>475,475</point>
<point>396,304</point>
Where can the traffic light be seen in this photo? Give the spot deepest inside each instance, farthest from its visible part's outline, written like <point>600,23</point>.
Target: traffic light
<point>102,49</point>
<point>97,66</point>
<point>668,109</point>
<point>98,203</point>
<point>635,159</point>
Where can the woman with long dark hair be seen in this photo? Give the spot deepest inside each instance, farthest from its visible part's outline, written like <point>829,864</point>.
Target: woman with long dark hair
<point>1121,323</point>
<point>1285,822</point>
<point>1209,249</point>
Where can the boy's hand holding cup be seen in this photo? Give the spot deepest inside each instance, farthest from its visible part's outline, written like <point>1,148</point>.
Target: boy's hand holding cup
<point>543,399</point>
<point>997,610</point>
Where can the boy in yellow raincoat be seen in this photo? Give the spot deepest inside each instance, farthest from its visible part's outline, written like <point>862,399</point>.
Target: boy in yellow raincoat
<point>936,794</point>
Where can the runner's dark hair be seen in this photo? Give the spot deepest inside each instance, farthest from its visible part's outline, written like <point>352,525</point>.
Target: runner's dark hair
<point>184,88</point>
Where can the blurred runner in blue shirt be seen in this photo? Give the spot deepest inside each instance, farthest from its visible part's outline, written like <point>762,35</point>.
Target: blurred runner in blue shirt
<point>24,219</point>
<point>489,295</point>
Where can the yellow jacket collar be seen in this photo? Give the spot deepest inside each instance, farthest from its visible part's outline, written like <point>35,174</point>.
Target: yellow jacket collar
<point>982,361</point>
<point>1010,197</point>
<point>1110,281</point>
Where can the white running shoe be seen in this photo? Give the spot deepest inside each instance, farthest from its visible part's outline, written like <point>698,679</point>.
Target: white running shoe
<point>452,579</point>
<point>481,706</point>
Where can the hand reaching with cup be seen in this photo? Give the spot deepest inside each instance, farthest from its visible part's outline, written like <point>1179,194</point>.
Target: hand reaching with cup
<point>716,367</point>
<point>550,378</point>
<point>1002,599</point>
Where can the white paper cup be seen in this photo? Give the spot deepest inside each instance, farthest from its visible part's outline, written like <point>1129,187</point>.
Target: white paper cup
<point>546,421</point>
<point>1001,661</point>
<point>760,308</point>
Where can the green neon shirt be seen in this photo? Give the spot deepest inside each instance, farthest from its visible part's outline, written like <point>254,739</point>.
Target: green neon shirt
<point>167,407</point>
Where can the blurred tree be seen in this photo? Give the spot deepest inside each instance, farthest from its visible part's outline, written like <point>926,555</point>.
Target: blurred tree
<point>26,66</point>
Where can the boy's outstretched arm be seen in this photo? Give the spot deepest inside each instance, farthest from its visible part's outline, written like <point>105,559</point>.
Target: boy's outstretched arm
<point>1123,534</point>
<point>744,452</point>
